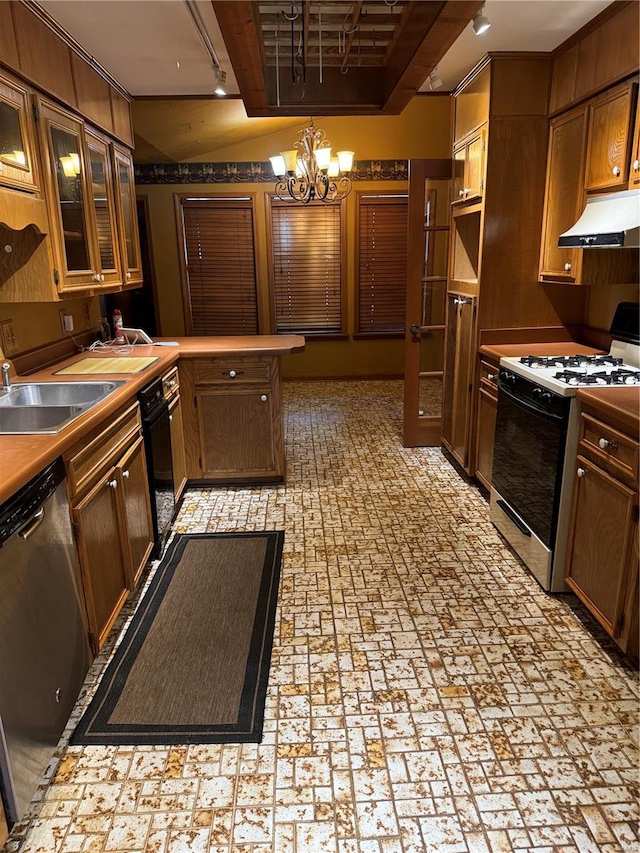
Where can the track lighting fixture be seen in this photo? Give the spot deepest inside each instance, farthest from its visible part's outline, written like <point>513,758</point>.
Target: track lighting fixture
<point>480,22</point>
<point>434,79</point>
<point>221,82</point>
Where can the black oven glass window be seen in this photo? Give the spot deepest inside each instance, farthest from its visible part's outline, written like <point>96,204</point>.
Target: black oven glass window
<point>527,464</point>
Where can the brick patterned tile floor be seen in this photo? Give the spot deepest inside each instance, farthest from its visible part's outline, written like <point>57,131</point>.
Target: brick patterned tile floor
<point>425,695</point>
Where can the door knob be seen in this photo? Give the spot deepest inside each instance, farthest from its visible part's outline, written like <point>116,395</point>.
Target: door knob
<point>414,329</point>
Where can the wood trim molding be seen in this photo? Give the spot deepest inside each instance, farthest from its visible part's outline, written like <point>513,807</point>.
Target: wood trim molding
<point>255,172</point>
<point>68,39</point>
<point>590,27</point>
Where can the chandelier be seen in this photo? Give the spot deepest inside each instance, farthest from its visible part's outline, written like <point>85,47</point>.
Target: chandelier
<point>308,172</point>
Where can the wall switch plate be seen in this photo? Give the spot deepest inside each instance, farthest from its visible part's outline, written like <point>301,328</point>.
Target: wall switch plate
<point>8,337</point>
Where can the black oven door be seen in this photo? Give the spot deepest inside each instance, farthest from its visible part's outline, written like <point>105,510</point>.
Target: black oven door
<point>159,463</point>
<point>529,452</point>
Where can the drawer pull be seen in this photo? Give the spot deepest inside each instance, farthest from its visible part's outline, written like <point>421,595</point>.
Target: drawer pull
<point>567,267</point>
<point>232,373</point>
<point>126,475</point>
<point>491,376</point>
<point>603,443</point>
<point>264,398</point>
<point>113,484</point>
<point>581,472</point>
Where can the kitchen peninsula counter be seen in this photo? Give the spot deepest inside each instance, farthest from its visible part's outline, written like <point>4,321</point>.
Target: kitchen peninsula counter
<point>24,456</point>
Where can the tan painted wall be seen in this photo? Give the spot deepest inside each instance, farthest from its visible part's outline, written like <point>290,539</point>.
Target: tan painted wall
<point>423,130</point>
<point>38,323</point>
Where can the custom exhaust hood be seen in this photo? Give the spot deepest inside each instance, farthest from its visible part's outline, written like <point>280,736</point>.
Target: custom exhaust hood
<point>607,220</point>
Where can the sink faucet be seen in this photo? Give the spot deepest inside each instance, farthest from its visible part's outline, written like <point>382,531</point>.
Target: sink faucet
<point>6,380</point>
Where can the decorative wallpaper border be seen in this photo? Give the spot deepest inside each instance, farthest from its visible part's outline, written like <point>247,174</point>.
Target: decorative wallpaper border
<point>253,173</point>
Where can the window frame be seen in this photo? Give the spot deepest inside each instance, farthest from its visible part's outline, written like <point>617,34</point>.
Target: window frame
<point>272,201</point>
<point>390,196</point>
<point>250,199</point>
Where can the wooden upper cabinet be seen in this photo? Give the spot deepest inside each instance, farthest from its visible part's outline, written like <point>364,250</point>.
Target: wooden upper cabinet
<point>68,197</point>
<point>469,163</point>
<point>634,167</point>
<point>44,58</point>
<point>472,105</point>
<point>563,195</point>
<point>128,220</point>
<point>121,115</point>
<point>17,152</point>
<point>8,45</point>
<point>105,231</point>
<point>93,93</point>
<point>610,129</point>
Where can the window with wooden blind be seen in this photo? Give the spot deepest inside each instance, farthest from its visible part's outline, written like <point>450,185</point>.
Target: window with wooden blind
<point>382,264</point>
<point>306,243</point>
<point>219,266</point>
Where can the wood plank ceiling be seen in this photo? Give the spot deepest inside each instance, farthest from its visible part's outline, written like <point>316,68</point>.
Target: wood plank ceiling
<point>366,57</point>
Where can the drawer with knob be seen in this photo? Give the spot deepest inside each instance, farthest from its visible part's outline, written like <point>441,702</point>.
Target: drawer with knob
<point>227,371</point>
<point>170,384</point>
<point>606,444</point>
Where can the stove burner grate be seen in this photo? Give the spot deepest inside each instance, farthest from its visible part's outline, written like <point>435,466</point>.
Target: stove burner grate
<point>539,362</point>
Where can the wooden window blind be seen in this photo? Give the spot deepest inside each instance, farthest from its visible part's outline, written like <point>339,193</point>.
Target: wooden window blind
<point>382,264</point>
<point>220,266</point>
<point>307,268</point>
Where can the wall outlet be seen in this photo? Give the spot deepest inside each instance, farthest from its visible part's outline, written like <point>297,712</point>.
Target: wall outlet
<point>8,337</point>
<point>66,322</point>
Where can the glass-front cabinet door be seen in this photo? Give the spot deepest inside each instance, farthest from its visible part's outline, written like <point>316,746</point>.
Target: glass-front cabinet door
<point>68,198</point>
<point>126,198</point>
<point>17,164</point>
<point>104,211</point>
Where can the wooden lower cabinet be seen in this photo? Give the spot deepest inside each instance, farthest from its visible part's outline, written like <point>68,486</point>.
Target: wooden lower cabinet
<point>602,553</point>
<point>234,427</point>
<point>110,507</point>
<point>458,376</point>
<point>486,421</point>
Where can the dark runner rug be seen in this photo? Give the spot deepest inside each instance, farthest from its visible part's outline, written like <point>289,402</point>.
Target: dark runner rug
<point>193,664</point>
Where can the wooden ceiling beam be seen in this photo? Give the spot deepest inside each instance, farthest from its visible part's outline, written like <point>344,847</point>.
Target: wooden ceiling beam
<point>239,24</point>
<point>426,34</point>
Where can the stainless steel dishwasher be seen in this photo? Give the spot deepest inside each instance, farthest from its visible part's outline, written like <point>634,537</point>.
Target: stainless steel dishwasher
<point>43,647</point>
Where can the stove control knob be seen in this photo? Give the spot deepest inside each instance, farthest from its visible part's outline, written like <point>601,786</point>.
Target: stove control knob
<point>536,392</point>
<point>545,396</point>
<point>581,472</point>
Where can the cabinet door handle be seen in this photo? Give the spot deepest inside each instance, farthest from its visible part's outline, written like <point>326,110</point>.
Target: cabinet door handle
<point>170,418</point>
<point>96,276</point>
<point>126,474</point>
<point>636,165</point>
<point>581,472</point>
<point>616,171</point>
<point>567,267</point>
<point>604,443</point>
<point>263,397</point>
<point>128,275</point>
<point>113,484</point>
<point>461,193</point>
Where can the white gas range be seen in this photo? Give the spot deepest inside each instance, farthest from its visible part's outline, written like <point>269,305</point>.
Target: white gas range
<point>536,439</point>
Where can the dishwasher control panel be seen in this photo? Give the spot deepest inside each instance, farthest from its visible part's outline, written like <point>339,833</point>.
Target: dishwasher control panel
<point>16,511</point>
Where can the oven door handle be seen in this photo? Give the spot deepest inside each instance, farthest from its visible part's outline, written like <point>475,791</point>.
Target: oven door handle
<point>531,407</point>
<point>504,506</point>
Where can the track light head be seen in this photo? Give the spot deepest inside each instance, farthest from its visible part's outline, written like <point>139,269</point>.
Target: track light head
<point>221,82</point>
<point>435,80</point>
<point>480,22</point>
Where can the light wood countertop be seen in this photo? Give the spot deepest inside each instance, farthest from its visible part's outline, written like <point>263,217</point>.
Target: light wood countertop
<point>24,456</point>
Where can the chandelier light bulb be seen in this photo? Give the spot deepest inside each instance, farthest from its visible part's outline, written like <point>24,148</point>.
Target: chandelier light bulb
<point>309,173</point>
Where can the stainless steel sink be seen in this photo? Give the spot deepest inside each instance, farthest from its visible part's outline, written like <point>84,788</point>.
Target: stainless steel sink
<point>57,393</point>
<point>47,407</point>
